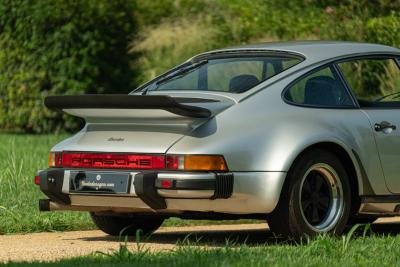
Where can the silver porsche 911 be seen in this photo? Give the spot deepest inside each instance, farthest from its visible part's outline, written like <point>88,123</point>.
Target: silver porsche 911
<point>301,134</point>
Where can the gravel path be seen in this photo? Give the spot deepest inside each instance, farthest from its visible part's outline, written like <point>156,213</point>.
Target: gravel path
<point>54,246</point>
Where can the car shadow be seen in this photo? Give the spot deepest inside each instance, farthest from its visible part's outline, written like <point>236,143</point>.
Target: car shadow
<point>220,238</point>
<point>251,237</point>
<point>386,228</point>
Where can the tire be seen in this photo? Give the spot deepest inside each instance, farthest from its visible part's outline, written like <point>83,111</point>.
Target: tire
<point>125,225</point>
<point>316,198</point>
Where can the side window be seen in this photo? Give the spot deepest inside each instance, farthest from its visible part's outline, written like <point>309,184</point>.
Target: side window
<point>374,82</point>
<point>321,88</point>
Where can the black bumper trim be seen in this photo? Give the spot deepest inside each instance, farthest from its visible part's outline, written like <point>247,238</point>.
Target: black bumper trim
<point>51,183</point>
<point>147,192</point>
<point>223,186</point>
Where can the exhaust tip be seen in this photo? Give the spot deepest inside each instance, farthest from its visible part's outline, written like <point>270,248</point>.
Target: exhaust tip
<point>44,205</point>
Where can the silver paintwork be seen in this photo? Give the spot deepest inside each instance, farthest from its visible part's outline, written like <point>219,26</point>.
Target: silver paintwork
<point>186,194</point>
<point>257,132</point>
<point>388,143</point>
<point>185,176</point>
<point>132,187</point>
<point>66,182</point>
<point>380,209</point>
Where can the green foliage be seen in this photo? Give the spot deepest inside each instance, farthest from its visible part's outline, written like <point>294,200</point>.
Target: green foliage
<point>385,30</point>
<point>60,47</point>
<point>150,13</point>
<point>74,47</point>
<point>210,24</point>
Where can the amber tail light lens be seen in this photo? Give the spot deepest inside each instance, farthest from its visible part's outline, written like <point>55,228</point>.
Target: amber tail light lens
<point>55,159</point>
<point>196,162</point>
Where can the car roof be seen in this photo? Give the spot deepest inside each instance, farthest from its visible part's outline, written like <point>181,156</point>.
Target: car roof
<point>317,50</point>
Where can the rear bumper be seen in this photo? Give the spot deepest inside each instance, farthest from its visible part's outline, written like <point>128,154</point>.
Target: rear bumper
<point>170,193</point>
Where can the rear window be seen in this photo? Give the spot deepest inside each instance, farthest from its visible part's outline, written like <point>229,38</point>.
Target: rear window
<point>231,74</point>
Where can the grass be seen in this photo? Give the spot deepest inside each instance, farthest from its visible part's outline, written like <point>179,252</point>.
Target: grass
<point>20,157</point>
<point>365,250</point>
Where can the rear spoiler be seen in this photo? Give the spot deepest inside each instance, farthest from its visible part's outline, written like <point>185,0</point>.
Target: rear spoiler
<point>114,101</point>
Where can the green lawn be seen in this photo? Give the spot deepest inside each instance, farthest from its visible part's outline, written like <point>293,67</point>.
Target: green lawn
<point>370,250</point>
<point>20,157</point>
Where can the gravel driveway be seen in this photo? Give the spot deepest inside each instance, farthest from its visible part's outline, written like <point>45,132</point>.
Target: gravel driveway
<point>53,246</point>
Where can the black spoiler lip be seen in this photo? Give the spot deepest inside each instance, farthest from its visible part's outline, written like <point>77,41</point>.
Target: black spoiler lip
<point>114,101</point>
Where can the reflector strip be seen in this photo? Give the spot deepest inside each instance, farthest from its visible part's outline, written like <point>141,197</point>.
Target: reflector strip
<point>110,161</point>
<point>166,184</point>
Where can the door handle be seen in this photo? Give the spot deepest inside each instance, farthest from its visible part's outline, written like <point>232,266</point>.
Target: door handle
<point>384,125</point>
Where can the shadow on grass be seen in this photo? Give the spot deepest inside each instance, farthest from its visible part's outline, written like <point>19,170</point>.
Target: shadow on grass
<point>386,228</point>
<point>220,238</point>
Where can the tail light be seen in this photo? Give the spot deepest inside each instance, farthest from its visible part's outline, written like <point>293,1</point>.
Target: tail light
<point>137,161</point>
<point>55,159</point>
<point>196,163</point>
<point>37,180</point>
<point>112,161</point>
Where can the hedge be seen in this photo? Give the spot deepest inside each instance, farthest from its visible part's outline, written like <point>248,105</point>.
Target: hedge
<point>52,47</point>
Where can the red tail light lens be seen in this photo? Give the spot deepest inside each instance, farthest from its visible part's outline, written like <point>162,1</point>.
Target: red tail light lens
<point>108,160</point>
<point>166,184</point>
<point>37,180</point>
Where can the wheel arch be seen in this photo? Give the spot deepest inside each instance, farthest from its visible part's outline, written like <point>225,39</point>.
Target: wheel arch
<point>358,179</point>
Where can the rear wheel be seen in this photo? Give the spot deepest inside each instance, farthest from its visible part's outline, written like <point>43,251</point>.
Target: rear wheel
<point>315,199</point>
<point>126,225</point>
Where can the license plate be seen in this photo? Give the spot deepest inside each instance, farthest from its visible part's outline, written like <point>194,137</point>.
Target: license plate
<point>99,182</point>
